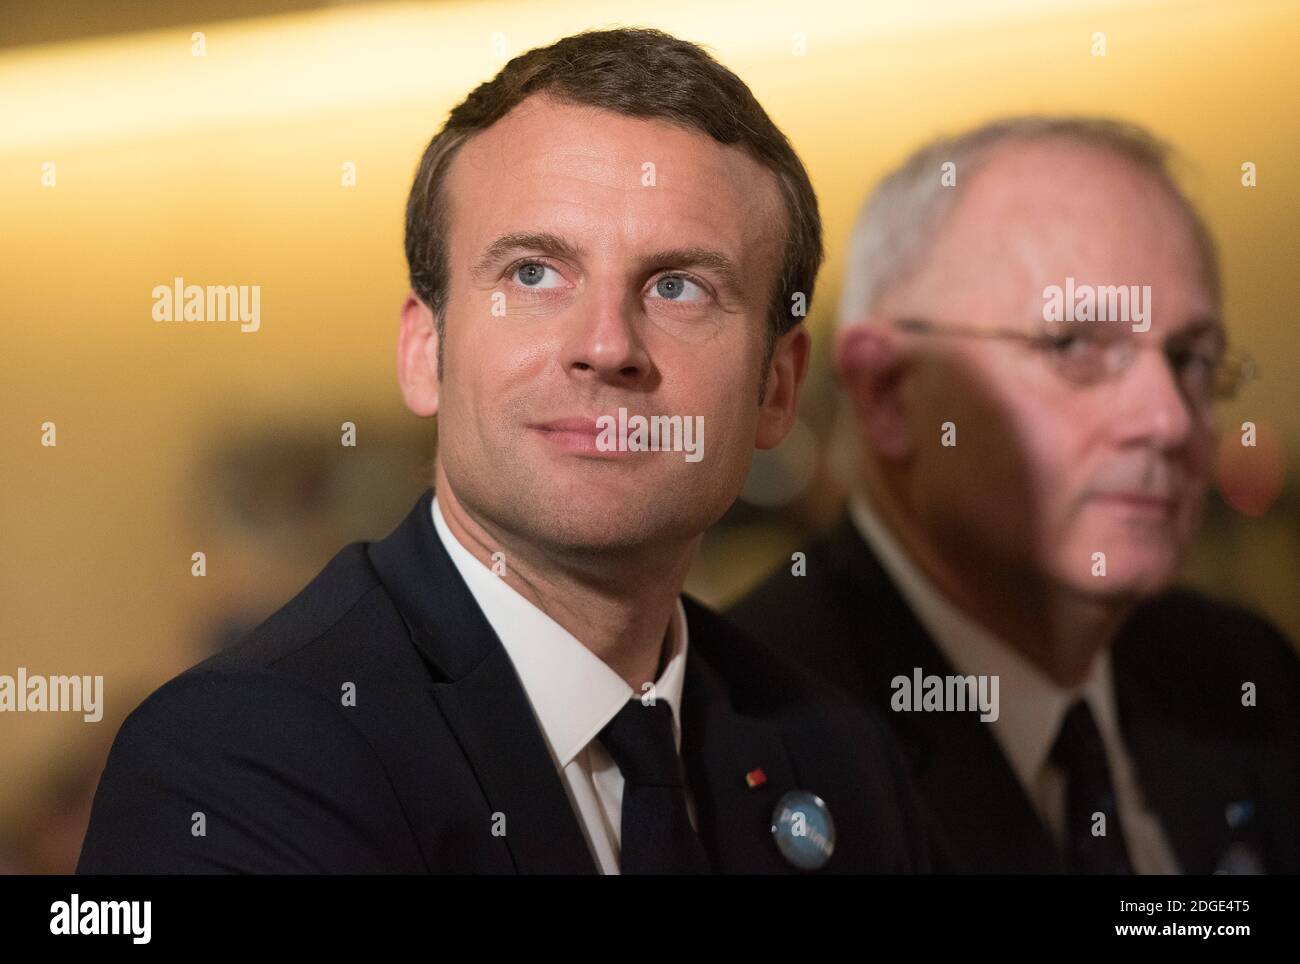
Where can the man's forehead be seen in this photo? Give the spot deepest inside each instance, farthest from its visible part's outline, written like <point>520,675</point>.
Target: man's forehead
<point>542,136</point>
<point>1053,185</point>
<point>1075,195</point>
<point>551,154</point>
<point>1037,214</point>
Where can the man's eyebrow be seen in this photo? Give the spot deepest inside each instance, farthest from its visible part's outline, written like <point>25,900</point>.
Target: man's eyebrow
<point>1198,326</point>
<point>543,241</point>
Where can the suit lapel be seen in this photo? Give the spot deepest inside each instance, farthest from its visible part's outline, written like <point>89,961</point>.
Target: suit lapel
<point>1189,796</point>
<point>482,699</point>
<point>986,823</point>
<point>491,717</point>
<point>1188,781</point>
<point>985,820</point>
<point>720,746</point>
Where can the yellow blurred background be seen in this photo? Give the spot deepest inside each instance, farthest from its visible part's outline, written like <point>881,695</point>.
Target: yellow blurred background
<point>231,168</point>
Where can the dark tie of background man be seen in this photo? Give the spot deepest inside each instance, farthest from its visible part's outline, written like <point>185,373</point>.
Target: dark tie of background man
<point>1080,752</point>
<point>656,834</point>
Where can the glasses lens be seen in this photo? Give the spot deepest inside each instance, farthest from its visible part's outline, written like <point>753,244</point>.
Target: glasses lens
<point>1086,360</point>
<point>1231,375</point>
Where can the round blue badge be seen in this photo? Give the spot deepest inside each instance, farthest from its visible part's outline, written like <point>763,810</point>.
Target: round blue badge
<point>803,829</point>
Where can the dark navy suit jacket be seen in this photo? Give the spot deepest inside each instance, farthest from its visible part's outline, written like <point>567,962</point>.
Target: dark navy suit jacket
<point>1223,778</point>
<point>255,747</point>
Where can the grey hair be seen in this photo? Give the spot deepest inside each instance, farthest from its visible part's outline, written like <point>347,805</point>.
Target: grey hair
<point>898,223</point>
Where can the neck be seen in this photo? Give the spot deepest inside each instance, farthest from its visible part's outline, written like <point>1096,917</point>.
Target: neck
<point>1059,630</point>
<point>619,604</point>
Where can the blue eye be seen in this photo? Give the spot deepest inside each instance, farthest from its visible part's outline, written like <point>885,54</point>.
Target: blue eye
<point>675,287</point>
<point>1184,359</point>
<point>532,274</point>
<point>1197,371</point>
<point>1070,346</point>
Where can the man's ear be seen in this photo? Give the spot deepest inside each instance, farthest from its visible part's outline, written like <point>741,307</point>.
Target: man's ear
<point>785,374</point>
<point>417,357</point>
<point>870,363</point>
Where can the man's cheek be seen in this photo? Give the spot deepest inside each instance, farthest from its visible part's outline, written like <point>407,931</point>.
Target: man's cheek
<point>1192,510</point>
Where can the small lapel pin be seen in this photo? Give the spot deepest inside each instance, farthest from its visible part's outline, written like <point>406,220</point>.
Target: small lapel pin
<point>1239,813</point>
<point>1241,856</point>
<point>803,829</point>
<point>755,778</point>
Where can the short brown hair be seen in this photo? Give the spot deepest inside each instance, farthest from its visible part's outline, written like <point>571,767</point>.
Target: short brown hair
<point>639,72</point>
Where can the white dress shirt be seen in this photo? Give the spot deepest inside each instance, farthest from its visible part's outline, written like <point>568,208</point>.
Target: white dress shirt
<point>573,694</point>
<point>1031,705</point>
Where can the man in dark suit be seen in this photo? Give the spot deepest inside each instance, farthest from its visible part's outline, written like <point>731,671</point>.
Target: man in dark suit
<point>512,681</point>
<point>1000,586</point>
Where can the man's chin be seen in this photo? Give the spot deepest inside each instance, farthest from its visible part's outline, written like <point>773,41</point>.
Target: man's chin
<point>599,521</point>
<point>1126,576</point>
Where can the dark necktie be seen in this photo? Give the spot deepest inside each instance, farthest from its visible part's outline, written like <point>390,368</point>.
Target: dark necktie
<point>656,834</point>
<point>1079,751</point>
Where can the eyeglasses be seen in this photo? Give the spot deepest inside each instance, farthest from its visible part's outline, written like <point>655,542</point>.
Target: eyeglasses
<point>1084,359</point>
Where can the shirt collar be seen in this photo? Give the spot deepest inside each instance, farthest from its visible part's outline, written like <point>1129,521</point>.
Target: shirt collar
<point>1031,706</point>
<point>573,692</point>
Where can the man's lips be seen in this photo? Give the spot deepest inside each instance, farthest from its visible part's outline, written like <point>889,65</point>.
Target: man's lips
<point>1139,501</point>
<point>576,434</point>
<point>578,425</point>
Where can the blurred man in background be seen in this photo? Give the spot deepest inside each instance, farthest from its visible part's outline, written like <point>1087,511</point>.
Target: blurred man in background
<point>1032,344</point>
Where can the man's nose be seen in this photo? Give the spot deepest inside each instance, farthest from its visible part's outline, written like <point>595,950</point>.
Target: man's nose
<point>1155,408</point>
<point>605,340</point>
